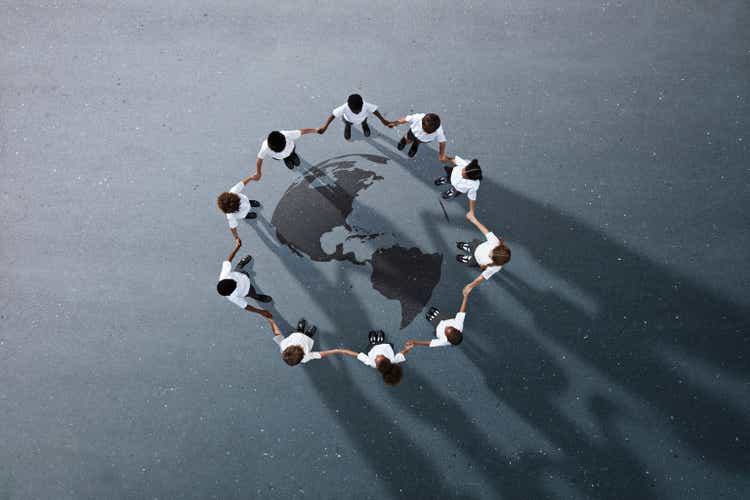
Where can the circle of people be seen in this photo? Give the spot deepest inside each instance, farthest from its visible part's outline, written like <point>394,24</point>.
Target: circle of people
<point>462,175</point>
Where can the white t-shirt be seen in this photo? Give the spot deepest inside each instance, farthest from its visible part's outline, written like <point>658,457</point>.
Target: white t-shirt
<point>416,129</point>
<point>380,350</point>
<point>462,185</point>
<point>300,339</point>
<point>243,284</point>
<point>355,118</point>
<point>291,136</point>
<point>442,340</point>
<point>483,255</point>
<point>234,217</point>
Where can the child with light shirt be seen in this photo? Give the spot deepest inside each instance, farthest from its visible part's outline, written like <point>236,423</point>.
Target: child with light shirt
<point>464,178</point>
<point>237,206</point>
<point>490,255</point>
<point>447,331</point>
<point>353,112</point>
<point>280,145</point>
<point>422,128</point>
<point>236,285</point>
<point>380,356</point>
<point>297,347</point>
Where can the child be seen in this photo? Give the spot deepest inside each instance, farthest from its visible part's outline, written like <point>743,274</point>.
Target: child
<point>237,206</point>
<point>297,347</point>
<point>490,256</point>
<point>279,145</point>
<point>354,112</point>
<point>448,331</point>
<point>464,178</point>
<point>380,356</point>
<point>236,285</point>
<point>422,128</point>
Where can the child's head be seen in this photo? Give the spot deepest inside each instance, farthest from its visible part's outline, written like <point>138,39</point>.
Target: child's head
<point>391,372</point>
<point>500,255</point>
<point>355,103</point>
<point>228,203</point>
<point>454,335</point>
<point>394,375</point>
<point>473,171</point>
<point>276,141</point>
<point>226,286</point>
<point>292,355</point>
<point>430,122</point>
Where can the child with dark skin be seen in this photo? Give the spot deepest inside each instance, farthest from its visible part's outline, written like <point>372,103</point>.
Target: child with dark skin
<point>296,348</point>
<point>280,145</point>
<point>354,112</point>
<point>422,128</point>
<point>381,357</point>
<point>237,206</point>
<point>448,331</point>
<point>236,285</point>
<point>490,256</point>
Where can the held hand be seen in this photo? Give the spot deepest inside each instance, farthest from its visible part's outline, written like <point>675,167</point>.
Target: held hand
<point>467,290</point>
<point>239,243</point>
<point>470,215</point>
<point>265,314</point>
<point>410,344</point>
<point>392,124</point>
<point>322,130</point>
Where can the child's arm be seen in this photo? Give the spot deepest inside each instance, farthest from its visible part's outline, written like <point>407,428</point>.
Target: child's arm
<point>472,205</point>
<point>407,348</point>
<point>235,250</point>
<point>381,117</point>
<point>262,312</point>
<point>443,158</point>
<point>256,177</point>
<point>330,352</point>
<point>465,300</point>
<point>478,224</point>
<point>275,328</point>
<point>394,123</point>
<point>236,236</point>
<point>323,129</point>
<point>468,288</point>
<point>418,342</point>
<point>305,131</point>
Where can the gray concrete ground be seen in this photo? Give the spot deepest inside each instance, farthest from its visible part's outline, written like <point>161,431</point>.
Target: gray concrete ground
<point>608,360</point>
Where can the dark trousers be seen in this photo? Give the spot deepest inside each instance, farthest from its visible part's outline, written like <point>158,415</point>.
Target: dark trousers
<point>412,137</point>
<point>252,292</point>
<point>292,160</point>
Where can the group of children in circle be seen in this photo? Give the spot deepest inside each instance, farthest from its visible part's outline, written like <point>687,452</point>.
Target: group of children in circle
<point>464,178</point>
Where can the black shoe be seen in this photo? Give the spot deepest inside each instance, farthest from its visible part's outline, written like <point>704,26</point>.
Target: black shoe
<point>462,245</point>
<point>347,131</point>
<point>289,163</point>
<point>401,144</point>
<point>245,260</point>
<point>413,149</point>
<point>365,128</point>
<point>263,298</point>
<point>295,159</point>
<point>381,336</point>
<point>372,337</point>
<point>432,313</point>
<point>463,259</point>
<point>254,203</point>
<point>441,180</point>
<point>311,331</point>
<point>451,193</point>
<point>251,215</point>
<point>301,325</point>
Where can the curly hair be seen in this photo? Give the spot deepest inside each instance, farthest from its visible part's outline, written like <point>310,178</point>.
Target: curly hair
<point>355,103</point>
<point>383,364</point>
<point>430,122</point>
<point>394,375</point>
<point>292,355</point>
<point>276,141</point>
<point>228,203</point>
<point>500,255</point>
<point>454,335</point>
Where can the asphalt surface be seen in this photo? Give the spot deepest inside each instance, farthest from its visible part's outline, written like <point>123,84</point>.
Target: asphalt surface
<point>609,359</point>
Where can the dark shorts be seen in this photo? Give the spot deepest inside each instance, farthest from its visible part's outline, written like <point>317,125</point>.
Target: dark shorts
<point>412,137</point>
